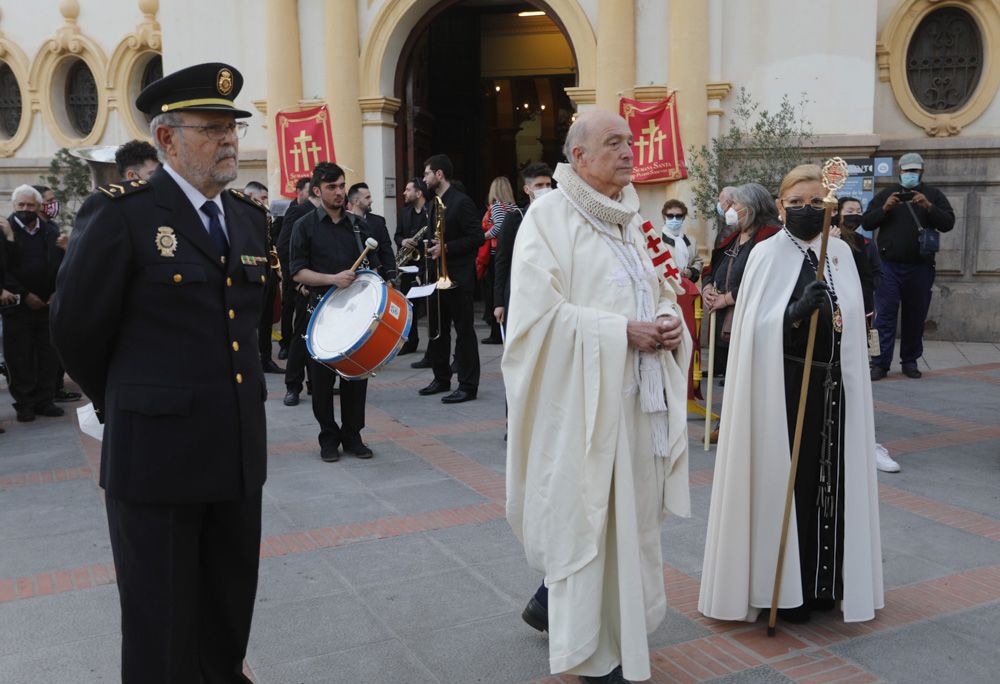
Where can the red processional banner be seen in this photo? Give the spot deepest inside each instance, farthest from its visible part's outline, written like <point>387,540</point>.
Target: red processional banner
<point>304,140</point>
<point>659,155</point>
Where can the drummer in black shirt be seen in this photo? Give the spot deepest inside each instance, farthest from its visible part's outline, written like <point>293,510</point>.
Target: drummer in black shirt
<point>325,244</point>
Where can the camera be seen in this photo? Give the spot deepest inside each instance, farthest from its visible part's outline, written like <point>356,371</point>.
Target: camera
<point>905,195</point>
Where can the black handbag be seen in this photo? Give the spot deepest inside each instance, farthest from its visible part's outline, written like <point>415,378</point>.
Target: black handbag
<point>928,239</point>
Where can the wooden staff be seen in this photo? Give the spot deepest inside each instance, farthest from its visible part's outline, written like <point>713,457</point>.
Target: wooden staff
<point>834,173</point>
<point>711,370</point>
<point>370,244</point>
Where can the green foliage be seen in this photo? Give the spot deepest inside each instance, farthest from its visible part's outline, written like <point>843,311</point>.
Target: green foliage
<point>70,179</point>
<point>760,147</point>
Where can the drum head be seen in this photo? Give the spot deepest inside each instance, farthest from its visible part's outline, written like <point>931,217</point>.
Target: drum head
<point>343,317</point>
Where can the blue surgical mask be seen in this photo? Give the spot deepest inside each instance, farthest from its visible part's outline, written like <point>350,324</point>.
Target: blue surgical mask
<point>673,226</point>
<point>718,209</point>
<point>909,179</point>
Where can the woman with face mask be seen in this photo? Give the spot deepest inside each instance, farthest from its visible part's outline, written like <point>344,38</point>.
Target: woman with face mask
<point>756,220</point>
<point>681,246</point>
<point>834,545</point>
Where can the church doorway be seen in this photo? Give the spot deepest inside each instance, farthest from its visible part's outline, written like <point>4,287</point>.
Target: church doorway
<point>484,81</point>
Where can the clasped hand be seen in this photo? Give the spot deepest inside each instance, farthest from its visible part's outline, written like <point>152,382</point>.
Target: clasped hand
<point>663,333</point>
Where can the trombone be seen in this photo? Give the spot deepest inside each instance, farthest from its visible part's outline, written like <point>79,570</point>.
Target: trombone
<point>443,281</point>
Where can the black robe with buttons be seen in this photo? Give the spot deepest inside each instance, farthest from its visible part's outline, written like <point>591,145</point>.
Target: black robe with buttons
<point>162,336</point>
<point>819,480</point>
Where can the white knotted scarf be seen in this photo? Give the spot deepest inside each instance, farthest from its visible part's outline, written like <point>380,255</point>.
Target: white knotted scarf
<point>602,213</point>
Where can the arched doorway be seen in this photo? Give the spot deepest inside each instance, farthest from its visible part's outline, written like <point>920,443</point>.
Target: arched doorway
<point>484,81</point>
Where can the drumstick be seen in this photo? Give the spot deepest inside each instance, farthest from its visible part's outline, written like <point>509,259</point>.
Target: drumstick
<point>370,244</point>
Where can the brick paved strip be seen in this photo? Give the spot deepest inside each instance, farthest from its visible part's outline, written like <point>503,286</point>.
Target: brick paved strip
<point>943,439</point>
<point>44,477</point>
<point>55,582</point>
<point>926,416</point>
<point>383,528</point>
<point>952,516</point>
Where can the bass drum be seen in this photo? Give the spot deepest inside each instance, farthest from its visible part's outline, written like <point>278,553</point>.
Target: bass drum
<point>360,328</point>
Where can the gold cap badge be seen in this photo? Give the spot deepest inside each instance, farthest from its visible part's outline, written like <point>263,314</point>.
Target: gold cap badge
<point>166,241</point>
<point>224,82</point>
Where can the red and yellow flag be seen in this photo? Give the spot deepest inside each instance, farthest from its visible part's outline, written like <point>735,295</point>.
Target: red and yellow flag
<point>659,155</point>
<point>304,140</point>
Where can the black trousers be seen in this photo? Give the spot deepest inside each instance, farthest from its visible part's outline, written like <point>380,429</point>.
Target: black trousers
<point>456,310</point>
<point>31,359</point>
<point>288,307</point>
<point>296,367</point>
<point>353,394</point>
<point>267,317</point>
<point>187,579</point>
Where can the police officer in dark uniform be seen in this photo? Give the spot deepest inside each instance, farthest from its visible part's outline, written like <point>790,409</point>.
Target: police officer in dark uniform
<point>155,316</point>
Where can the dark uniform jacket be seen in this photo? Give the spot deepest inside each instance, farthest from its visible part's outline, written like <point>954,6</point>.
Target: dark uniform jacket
<point>463,234</point>
<point>162,337</point>
<point>897,231</point>
<point>379,231</point>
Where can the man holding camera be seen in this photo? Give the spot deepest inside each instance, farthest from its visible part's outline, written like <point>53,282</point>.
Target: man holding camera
<point>906,216</point>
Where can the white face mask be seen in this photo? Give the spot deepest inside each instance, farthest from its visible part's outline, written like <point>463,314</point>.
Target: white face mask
<point>539,192</point>
<point>732,217</point>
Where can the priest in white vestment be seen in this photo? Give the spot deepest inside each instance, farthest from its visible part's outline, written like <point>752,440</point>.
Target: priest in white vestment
<point>834,552</point>
<point>595,367</point>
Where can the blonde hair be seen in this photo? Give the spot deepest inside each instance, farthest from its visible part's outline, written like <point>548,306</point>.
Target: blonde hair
<point>500,191</point>
<point>801,173</point>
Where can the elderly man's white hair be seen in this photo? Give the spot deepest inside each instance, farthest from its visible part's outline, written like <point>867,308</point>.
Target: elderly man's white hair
<point>574,137</point>
<point>22,190</point>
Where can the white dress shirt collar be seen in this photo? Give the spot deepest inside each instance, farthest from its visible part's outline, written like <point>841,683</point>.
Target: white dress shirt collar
<point>197,199</point>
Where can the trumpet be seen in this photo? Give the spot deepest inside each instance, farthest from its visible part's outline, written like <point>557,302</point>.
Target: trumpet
<point>407,254</point>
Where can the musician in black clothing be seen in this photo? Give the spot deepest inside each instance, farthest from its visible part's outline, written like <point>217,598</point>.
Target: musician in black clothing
<point>325,243</point>
<point>411,221</point>
<point>462,238</point>
<point>283,235</point>
<point>359,203</point>
<point>258,191</point>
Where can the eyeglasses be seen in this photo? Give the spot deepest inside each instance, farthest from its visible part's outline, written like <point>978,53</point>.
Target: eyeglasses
<point>674,216</point>
<point>218,132</point>
<point>798,203</point>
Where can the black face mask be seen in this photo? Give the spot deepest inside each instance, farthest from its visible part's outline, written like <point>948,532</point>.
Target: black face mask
<point>850,221</point>
<point>805,223</point>
<point>26,217</point>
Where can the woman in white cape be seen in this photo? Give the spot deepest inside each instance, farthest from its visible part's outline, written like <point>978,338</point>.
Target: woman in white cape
<point>834,546</point>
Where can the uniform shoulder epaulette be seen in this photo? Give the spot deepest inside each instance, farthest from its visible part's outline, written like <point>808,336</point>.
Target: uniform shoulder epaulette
<point>125,187</point>
<point>248,199</point>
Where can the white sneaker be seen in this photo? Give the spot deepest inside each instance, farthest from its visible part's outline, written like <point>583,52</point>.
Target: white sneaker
<point>883,461</point>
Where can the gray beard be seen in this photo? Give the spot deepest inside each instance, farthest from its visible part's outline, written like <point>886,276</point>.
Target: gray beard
<point>201,173</point>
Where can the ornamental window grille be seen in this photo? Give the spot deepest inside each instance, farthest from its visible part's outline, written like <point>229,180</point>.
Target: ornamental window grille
<point>944,60</point>
<point>81,97</point>
<point>10,102</point>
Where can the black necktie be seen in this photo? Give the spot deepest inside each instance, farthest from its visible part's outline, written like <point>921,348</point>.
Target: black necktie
<point>215,232</point>
<point>812,259</point>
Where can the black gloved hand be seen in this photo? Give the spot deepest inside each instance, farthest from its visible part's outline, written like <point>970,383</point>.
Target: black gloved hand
<point>813,297</point>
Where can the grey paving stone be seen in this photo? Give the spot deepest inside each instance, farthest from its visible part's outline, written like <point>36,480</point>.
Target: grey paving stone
<point>940,544</point>
<point>496,650</point>
<point>58,619</point>
<point>955,648</point>
<point>512,577</point>
<point>481,543</point>
<point>683,547</point>
<point>15,460</point>
<point>434,601</point>
<point>757,675</point>
<point>964,487</point>
<point>378,663</point>
<point>57,550</point>
<point>675,629</point>
<point>296,576</point>
<point>335,509</point>
<point>38,510</point>
<point>486,447</point>
<point>88,660</point>
<point>289,631</point>
<point>379,474</point>
<point>429,496</point>
<point>311,480</point>
<point>367,564</point>
<point>899,569</point>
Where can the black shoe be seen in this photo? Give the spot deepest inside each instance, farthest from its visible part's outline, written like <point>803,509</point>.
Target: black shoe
<point>329,455</point>
<point>291,398</point>
<point>49,411</point>
<point>878,373</point>
<point>821,604</point>
<point>796,616</point>
<point>283,354</point>
<point>422,363</point>
<point>65,395</point>
<point>912,372</point>
<point>458,396</point>
<point>360,450</point>
<point>271,367</point>
<point>408,348</point>
<point>536,615</point>
<point>436,387</point>
<point>613,677</point>
<point>491,340</point>
<point>25,416</point>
